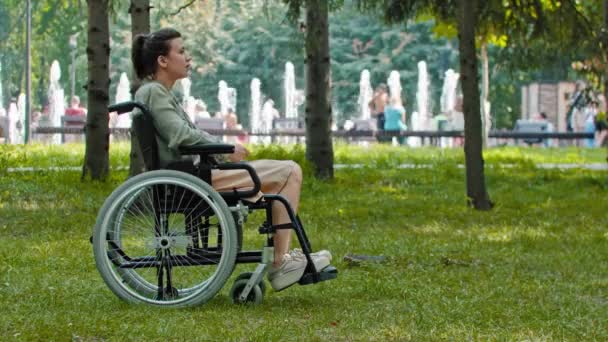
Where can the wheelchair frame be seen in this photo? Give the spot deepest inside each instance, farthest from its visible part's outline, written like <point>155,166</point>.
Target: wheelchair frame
<point>111,242</point>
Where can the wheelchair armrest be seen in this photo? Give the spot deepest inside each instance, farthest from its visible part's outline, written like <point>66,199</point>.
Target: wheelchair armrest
<point>254,177</point>
<point>207,149</point>
<point>128,106</point>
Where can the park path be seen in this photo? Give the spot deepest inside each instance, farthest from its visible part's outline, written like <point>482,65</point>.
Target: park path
<point>562,166</point>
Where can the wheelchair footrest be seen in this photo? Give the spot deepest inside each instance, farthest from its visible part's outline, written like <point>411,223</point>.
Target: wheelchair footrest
<point>328,273</point>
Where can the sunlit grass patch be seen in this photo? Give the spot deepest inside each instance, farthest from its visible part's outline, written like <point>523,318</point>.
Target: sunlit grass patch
<point>533,268</point>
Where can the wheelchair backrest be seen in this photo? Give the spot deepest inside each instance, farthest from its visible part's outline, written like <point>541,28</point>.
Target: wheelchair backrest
<point>143,128</point>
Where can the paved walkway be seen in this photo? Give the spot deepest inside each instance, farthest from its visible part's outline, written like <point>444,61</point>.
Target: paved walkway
<point>562,166</point>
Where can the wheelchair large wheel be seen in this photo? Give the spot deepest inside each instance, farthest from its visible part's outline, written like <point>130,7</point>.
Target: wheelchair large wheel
<point>165,238</point>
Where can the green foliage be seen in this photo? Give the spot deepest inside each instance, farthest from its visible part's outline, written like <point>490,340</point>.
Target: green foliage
<point>531,269</point>
<point>246,39</point>
<point>530,33</point>
<point>236,50</point>
<point>120,45</point>
<point>242,41</point>
<point>52,24</point>
<point>361,42</point>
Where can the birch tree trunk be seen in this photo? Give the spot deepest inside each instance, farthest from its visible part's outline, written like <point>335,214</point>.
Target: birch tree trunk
<point>140,16</point>
<point>604,38</point>
<point>96,161</point>
<point>485,93</point>
<point>140,23</point>
<point>319,148</point>
<point>6,94</point>
<point>475,178</point>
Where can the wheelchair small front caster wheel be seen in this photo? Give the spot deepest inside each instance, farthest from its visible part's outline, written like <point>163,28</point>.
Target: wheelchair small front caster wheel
<point>247,275</point>
<point>255,296</point>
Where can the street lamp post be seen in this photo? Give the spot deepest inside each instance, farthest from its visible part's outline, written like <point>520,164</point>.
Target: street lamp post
<point>28,71</point>
<point>73,46</point>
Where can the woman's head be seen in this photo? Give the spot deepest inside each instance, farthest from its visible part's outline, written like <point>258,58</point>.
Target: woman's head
<point>162,50</point>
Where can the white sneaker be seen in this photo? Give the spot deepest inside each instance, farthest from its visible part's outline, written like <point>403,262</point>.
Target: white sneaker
<point>321,259</point>
<point>289,272</point>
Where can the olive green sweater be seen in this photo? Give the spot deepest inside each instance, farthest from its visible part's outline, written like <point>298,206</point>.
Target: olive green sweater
<point>173,126</point>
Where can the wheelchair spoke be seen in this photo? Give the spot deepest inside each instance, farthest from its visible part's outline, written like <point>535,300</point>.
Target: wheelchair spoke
<point>167,241</point>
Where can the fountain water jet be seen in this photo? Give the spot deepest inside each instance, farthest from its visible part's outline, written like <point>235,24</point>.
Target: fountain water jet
<point>394,84</point>
<point>269,113</point>
<point>448,104</point>
<point>291,110</point>
<point>56,100</point>
<point>365,95</point>
<point>255,112</point>
<point>448,92</point>
<point>422,96</point>
<point>123,93</point>
<point>13,123</point>
<point>222,97</point>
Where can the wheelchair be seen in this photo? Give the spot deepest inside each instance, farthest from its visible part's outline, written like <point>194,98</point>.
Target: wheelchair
<point>167,238</point>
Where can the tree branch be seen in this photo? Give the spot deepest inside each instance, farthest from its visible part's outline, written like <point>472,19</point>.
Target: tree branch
<point>184,6</point>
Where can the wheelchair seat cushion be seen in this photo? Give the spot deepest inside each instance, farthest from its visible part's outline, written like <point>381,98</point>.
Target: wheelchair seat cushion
<point>273,175</point>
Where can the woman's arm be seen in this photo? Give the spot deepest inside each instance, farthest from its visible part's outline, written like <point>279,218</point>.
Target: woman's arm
<point>170,125</point>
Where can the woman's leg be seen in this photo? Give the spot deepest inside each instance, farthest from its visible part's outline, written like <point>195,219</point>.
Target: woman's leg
<point>281,177</point>
<point>277,177</point>
<point>291,191</point>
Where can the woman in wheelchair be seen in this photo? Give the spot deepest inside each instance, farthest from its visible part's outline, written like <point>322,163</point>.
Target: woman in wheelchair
<point>159,59</point>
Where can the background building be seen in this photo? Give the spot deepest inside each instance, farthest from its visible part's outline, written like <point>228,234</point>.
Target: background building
<point>551,98</point>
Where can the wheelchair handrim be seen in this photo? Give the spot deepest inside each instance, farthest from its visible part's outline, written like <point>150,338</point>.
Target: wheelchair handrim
<point>190,292</point>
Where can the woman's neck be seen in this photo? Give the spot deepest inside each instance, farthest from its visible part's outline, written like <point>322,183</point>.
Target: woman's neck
<point>163,79</point>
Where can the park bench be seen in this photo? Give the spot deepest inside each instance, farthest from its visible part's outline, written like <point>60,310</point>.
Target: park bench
<point>529,126</point>
<point>364,125</point>
<point>72,121</point>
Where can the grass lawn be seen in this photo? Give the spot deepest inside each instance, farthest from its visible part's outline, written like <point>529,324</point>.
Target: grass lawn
<point>533,268</point>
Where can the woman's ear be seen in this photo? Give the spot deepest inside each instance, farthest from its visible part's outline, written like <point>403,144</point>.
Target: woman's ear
<point>162,61</point>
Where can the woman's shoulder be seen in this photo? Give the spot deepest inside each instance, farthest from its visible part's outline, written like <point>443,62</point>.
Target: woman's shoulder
<point>150,88</point>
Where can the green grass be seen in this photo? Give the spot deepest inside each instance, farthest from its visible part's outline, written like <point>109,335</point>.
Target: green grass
<point>533,268</point>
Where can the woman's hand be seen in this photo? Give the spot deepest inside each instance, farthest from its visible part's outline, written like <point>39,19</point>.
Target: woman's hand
<point>240,153</point>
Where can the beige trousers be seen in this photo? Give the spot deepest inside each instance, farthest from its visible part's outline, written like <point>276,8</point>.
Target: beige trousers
<point>276,176</point>
<point>283,177</point>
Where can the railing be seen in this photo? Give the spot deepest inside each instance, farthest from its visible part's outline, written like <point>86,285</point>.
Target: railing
<point>354,134</point>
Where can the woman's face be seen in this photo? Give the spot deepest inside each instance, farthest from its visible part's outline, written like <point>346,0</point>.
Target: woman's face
<point>177,61</point>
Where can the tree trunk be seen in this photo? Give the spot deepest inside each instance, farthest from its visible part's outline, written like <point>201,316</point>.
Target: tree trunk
<point>604,39</point>
<point>319,148</point>
<point>4,94</point>
<point>140,16</point>
<point>42,83</point>
<point>140,23</point>
<point>96,163</point>
<point>486,121</point>
<point>475,179</point>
